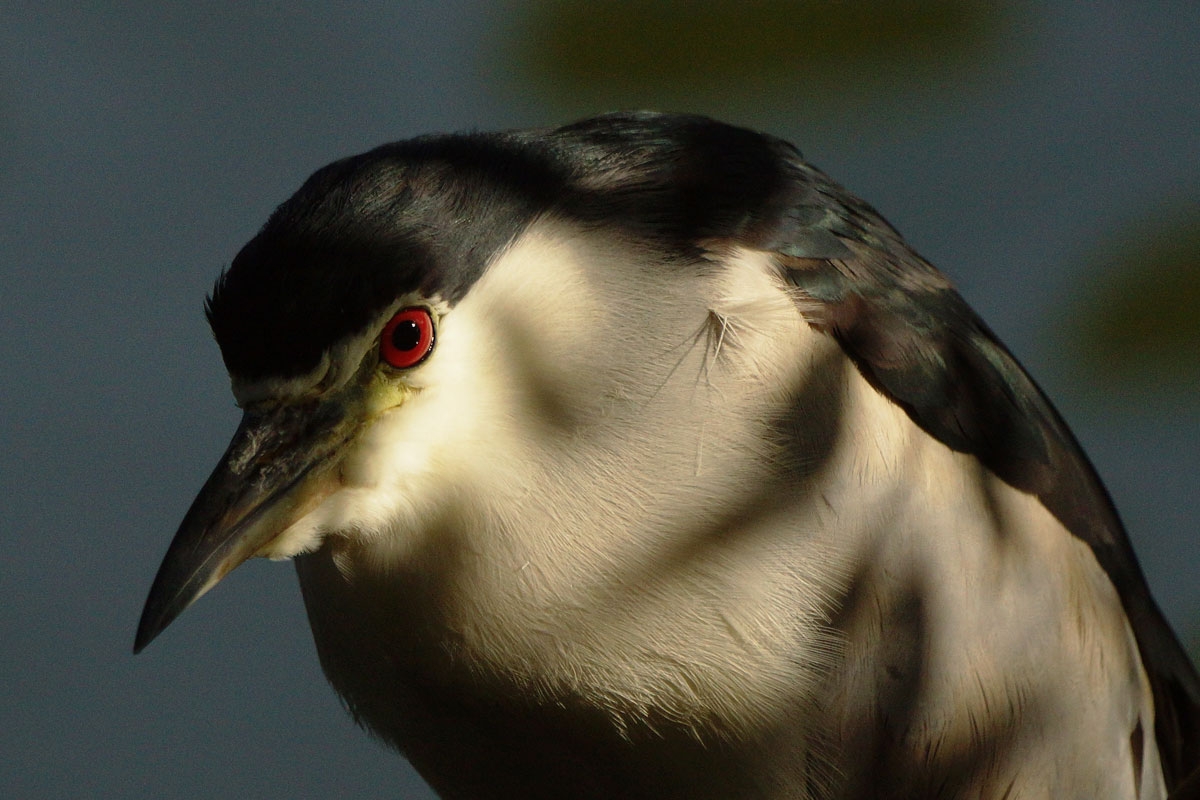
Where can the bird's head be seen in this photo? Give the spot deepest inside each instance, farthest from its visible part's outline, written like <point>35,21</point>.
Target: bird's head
<point>587,322</point>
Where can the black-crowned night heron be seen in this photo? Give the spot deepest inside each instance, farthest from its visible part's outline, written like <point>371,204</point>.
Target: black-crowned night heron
<point>637,459</point>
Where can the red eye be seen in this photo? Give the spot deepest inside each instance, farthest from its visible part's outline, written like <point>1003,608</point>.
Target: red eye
<point>407,338</point>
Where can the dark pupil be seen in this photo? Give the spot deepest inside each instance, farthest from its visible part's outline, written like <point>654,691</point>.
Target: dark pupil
<point>406,335</point>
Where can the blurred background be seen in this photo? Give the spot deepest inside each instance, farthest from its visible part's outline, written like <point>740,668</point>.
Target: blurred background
<point>1046,155</point>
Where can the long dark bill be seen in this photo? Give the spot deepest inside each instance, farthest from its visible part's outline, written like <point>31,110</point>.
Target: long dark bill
<point>278,467</point>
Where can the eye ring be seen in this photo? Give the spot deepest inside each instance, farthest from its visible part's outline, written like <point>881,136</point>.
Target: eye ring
<point>407,339</point>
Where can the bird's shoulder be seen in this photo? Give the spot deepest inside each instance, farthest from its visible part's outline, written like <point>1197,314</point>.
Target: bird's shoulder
<point>917,341</point>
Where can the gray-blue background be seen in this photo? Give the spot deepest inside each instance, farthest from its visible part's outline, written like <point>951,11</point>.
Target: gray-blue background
<point>141,145</point>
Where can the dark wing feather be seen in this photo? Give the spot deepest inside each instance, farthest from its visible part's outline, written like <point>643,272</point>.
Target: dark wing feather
<point>916,340</point>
